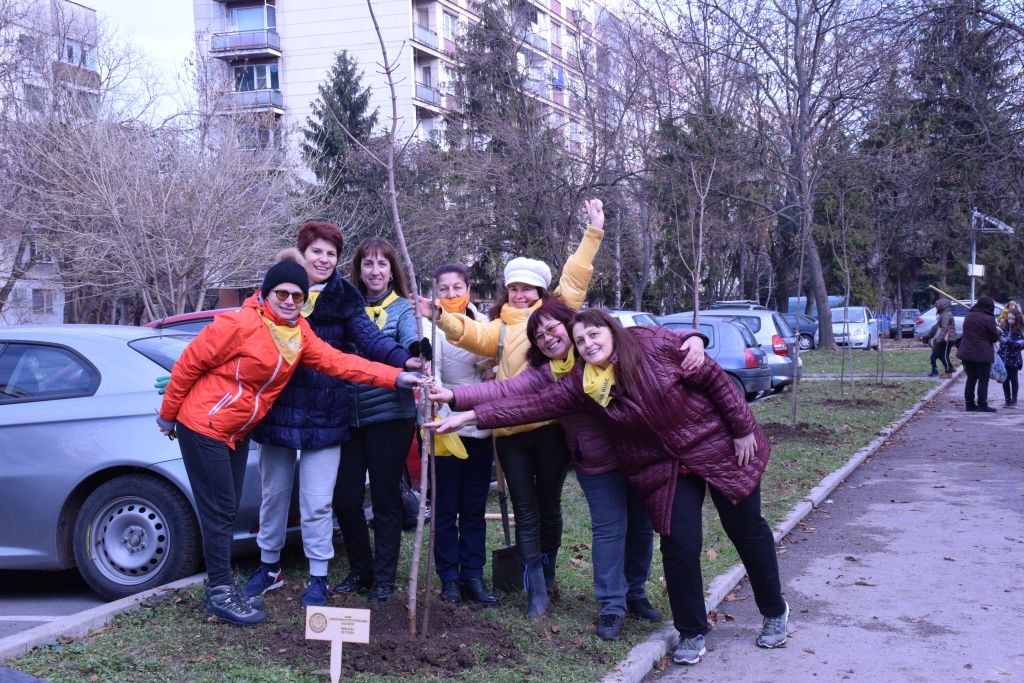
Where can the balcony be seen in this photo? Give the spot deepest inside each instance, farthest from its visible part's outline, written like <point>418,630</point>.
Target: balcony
<point>428,94</point>
<point>537,41</point>
<point>256,100</point>
<point>236,44</point>
<point>424,36</point>
<point>538,86</point>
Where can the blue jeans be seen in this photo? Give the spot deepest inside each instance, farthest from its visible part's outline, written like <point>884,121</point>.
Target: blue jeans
<point>622,541</point>
<point>459,504</point>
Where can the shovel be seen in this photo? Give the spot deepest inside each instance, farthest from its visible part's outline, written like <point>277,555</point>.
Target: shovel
<point>506,570</point>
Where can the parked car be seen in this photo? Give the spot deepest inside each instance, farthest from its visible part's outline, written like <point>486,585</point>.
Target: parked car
<point>734,348</point>
<point>188,322</point>
<point>806,327</point>
<point>926,321</point>
<point>739,303</point>
<point>632,318</point>
<point>86,479</point>
<point>772,333</point>
<point>856,326</point>
<point>904,327</point>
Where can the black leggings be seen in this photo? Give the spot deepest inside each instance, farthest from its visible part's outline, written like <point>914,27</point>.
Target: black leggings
<point>940,351</point>
<point>1011,384</point>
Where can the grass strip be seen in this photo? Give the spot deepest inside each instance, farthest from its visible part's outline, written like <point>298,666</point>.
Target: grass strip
<point>159,643</point>
<point>912,362</point>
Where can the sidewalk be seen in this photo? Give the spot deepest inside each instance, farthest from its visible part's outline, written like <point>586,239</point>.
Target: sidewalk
<point>913,572</point>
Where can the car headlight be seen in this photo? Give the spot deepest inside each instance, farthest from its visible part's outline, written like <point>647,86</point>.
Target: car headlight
<point>858,332</point>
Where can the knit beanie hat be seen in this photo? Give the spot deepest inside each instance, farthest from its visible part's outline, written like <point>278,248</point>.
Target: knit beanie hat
<point>528,271</point>
<point>289,269</point>
<point>986,305</point>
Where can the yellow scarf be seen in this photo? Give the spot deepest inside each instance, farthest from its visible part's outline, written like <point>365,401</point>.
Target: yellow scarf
<point>310,303</point>
<point>287,338</point>
<point>598,383</point>
<point>561,368</point>
<point>378,314</point>
<point>449,444</point>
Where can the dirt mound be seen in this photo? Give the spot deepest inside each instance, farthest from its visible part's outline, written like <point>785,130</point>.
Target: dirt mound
<point>847,403</point>
<point>803,431</point>
<point>460,638</point>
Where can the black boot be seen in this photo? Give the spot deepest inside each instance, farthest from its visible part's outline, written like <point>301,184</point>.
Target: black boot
<point>985,408</point>
<point>475,590</point>
<point>550,579</point>
<point>536,591</point>
<point>972,408</point>
<point>451,593</point>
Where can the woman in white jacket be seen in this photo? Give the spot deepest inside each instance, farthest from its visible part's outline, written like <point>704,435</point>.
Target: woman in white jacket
<point>463,476</point>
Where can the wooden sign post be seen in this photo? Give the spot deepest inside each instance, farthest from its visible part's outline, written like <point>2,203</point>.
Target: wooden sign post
<point>338,625</point>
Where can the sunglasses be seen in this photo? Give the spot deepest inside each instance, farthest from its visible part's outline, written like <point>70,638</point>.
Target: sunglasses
<point>282,296</point>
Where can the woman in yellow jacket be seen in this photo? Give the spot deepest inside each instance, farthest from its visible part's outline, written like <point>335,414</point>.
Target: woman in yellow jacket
<point>534,457</point>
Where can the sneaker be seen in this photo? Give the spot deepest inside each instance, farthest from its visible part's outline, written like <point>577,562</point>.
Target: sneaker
<point>317,592</point>
<point>609,626</point>
<point>354,583</point>
<point>689,650</point>
<point>773,631</point>
<point>380,592</point>
<point>641,608</point>
<point>262,580</point>
<point>225,603</point>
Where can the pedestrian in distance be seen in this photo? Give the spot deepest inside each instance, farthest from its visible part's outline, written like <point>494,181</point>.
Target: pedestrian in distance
<point>622,536</point>
<point>382,424</point>
<point>677,435</point>
<point>224,383</point>
<point>942,337</point>
<point>311,416</point>
<point>977,353</point>
<point>1011,342</point>
<point>463,467</point>
<point>1011,305</point>
<point>533,457</point>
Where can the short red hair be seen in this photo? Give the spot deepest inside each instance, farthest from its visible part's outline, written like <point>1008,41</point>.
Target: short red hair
<point>312,231</point>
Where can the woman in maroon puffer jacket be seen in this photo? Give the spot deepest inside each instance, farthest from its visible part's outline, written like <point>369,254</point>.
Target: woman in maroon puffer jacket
<point>675,435</point>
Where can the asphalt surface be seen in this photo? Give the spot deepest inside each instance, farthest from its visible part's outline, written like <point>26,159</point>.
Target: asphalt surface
<point>28,599</point>
<point>912,571</point>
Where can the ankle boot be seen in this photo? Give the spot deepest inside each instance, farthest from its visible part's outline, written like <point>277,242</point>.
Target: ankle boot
<point>550,579</point>
<point>536,591</point>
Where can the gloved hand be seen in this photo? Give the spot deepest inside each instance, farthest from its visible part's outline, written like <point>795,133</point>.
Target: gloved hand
<point>166,427</point>
<point>409,380</point>
<point>421,348</point>
<point>161,384</point>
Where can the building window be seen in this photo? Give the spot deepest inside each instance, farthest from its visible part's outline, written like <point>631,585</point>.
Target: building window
<point>39,254</point>
<point>42,301</point>
<point>32,49</point>
<point>252,18</point>
<point>78,54</point>
<point>256,77</point>
<point>556,35</point>
<point>35,97</point>
<point>451,27</point>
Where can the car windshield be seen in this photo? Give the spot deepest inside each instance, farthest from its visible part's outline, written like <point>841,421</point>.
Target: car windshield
<point>752,322</point>
<point>909,314</point>
<point>856,315</point>
<point>162,350</point>
<point>707,329</point>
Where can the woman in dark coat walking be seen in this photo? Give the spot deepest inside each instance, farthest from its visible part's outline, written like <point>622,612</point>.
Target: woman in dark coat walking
<point>977,354</point>
<point>676,436</point>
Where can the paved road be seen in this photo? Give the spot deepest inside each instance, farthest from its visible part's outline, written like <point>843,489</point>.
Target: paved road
<point>28,599</point>
<point>914,572</point>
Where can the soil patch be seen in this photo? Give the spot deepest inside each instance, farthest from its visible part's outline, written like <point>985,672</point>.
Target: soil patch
<point>802,431</point>
<point>461,637</point>
<point>847,403</point>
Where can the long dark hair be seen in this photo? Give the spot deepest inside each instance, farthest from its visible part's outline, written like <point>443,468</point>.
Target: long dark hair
<point>553,308</point>
<point>374,246</point>
<point>494,311</point>
<point>626,353</point>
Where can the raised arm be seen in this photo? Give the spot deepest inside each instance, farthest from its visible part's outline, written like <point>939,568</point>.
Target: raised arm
<point>579,268</point>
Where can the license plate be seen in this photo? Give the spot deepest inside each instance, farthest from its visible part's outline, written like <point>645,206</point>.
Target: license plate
<point>840,337</point>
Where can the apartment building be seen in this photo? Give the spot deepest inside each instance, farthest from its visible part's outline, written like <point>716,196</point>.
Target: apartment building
<point>49,49</point>
<point>276,53</point>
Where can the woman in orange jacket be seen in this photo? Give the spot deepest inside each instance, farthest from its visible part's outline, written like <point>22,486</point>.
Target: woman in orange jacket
<point>225,381</point>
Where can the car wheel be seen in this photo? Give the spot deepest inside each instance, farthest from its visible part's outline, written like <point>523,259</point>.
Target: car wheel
<point>134,533</point>
<point>806,342</point>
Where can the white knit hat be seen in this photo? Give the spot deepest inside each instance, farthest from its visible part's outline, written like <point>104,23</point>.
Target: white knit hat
<point>528,271</point>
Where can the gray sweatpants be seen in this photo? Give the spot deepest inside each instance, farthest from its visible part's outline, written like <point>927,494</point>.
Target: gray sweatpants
<point>318,470</point>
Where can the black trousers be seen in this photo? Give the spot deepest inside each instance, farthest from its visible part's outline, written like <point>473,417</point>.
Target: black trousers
<point>941,351</point>
<point>977,375</point>
<point>1011,384</point>
<point>535,465</point>
<point>459,505</point>
<point>215,473</point>
<point>681,549</point>
<point>381,450</point>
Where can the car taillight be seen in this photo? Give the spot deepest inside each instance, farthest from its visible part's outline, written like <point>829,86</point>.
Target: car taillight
<point>919,321</point>
<point>750,359</point>
<point>779,345</point>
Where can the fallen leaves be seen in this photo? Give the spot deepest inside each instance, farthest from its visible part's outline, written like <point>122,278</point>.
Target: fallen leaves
<point>712,554</point>
<point>862,582</point>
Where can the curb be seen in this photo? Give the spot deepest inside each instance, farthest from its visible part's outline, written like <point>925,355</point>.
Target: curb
<point>644,656</point>
<point>81,624</point>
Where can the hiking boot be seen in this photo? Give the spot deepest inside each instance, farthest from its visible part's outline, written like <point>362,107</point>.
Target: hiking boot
<point>609,626</point>
<point>689,650</point>
<point>380,592</point>
<point>773,631</point>
<point>451,592</point>
<point>255,603</point>
<point>475,590</point>
<point>317,592</point>
<point>264,579</point>
<point>225,603</point>
<point>985,408</point>
<point>354,583</point>
<point>641,608</point>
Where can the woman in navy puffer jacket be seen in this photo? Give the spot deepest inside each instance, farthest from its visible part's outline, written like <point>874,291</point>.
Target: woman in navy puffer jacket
<point>676,435</point>
<point>382,427</point>
<point>312,415</point>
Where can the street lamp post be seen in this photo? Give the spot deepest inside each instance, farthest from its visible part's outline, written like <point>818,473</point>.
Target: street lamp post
<point>982,223</point>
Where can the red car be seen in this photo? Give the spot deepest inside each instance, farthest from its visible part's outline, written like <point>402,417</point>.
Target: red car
<point>188,322</point>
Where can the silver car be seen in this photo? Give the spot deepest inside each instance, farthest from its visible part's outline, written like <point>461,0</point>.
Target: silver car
<point>87,480</point>
<point>772,333</point>
<point>926,321</point>
<point>632,318</point>
<point>855,326</point>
